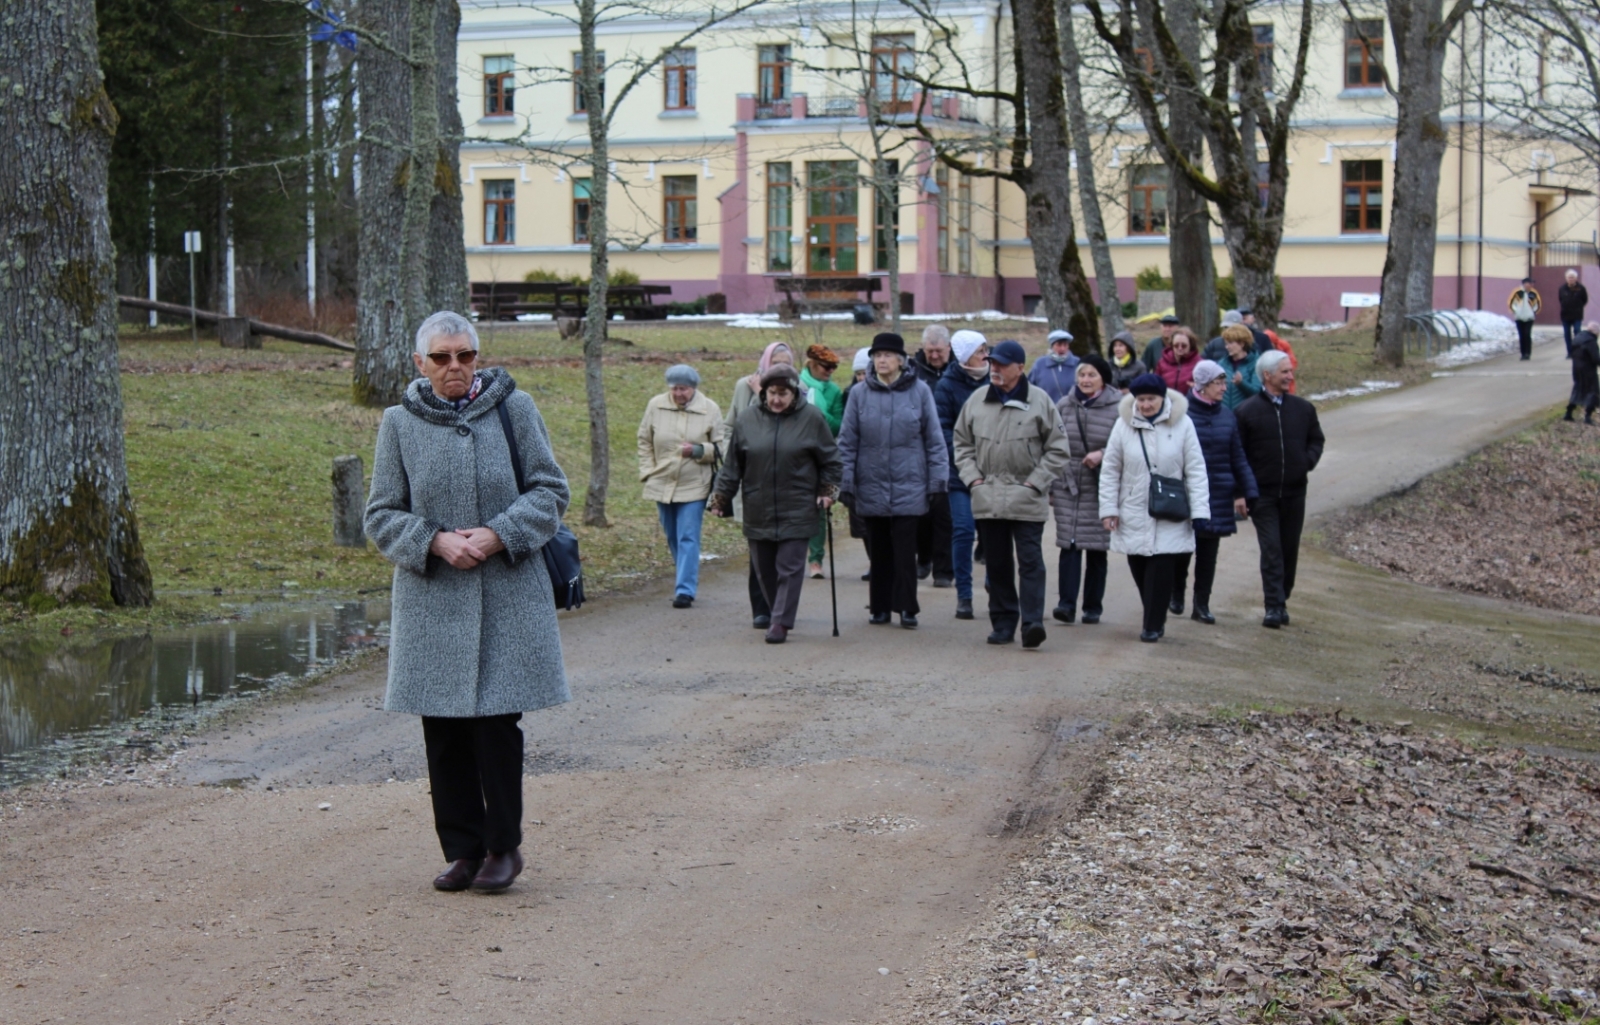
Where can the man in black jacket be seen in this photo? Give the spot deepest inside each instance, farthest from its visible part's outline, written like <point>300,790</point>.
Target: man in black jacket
<point>1283,442</point>
<point>1571,297</point>
<point>934,527</point>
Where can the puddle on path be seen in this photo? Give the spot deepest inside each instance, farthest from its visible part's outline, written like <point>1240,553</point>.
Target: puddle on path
<point>61,696</point>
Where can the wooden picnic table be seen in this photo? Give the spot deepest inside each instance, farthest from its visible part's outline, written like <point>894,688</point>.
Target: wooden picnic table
<point>505,300</point>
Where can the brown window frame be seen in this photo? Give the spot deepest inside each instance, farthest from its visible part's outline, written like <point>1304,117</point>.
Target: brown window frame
<point>893,54</point>
<point>580,210</point>
<point>777,86</point>
<point>964,245</point>
<point>1266,52</point>
<point>680,212</point>
<point>579,104</point>
<point>499,213</point>
<point>1147,60</point>
<point>1366,37</point>
<point>499,87</point>
<point>780,229</point>
<point>836,183</point>
<point>1368,213</point>
<point>1142,209</point>
<point>678,68</point>
<point>884,234</point>
<point>941,218</point>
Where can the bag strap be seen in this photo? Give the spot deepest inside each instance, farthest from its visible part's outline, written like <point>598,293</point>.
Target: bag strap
<point>511,443</point>
<point>1148,468</point>
<point>1082,437</point>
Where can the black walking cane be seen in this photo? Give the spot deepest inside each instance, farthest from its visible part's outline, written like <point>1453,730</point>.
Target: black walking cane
<point>833,578</point>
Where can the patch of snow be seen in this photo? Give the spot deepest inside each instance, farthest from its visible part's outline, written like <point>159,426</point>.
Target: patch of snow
<point>525,317</point>
<point>1367,388</point>
<point>1332,325</point>
<point>980,315</point>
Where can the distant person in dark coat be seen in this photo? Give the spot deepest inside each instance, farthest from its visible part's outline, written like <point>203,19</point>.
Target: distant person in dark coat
<point>1230,481</point>
<point>933,527</point>
<point>1057,370</point>
<point>1158,345</point>
<point>1571,297</point>
<point>968,371</point>
<point>1125,365</point>
<point>1585,379</point>
<point>1283,443</point>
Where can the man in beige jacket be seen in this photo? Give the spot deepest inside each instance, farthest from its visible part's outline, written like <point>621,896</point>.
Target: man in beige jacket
<point>679,441</point>
<point>1009,447</point>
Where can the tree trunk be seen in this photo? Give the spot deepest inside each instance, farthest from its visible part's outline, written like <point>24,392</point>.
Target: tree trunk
<point>1420,143</point>
<point>67,526</point>
<point>594,329</point>
<point>412,259</point>
<point>1194,270</point>
<point>1094,225</point>
<point>1047,185</point>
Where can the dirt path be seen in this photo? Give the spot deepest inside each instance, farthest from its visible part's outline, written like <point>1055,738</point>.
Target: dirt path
<point>719,831</point>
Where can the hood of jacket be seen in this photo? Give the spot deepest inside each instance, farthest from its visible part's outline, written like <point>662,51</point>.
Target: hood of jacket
<point>420,400</point>
<point>794,407</point>
<point>1176,408</point>
<point>1107,396</point>
<point>907,379</point>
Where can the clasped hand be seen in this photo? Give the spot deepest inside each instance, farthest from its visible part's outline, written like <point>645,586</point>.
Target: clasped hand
<point>465,549</point>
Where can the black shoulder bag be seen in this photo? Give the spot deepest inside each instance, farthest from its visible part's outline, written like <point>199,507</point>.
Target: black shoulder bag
<point>561,558</point>
<point>1169,499</point>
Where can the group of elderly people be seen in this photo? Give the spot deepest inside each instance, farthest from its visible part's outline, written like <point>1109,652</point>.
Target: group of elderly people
<point>466,492</point>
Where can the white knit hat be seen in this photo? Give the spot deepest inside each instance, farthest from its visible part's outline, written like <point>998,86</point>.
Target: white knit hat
<point>965,343</point>
<point>863,358</point>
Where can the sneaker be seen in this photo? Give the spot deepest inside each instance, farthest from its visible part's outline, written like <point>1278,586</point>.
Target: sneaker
<point>964,608</point>
<point>1032,635</point>
<point>815,569</point>
<point>1065,613</point>
<point>682,601</point>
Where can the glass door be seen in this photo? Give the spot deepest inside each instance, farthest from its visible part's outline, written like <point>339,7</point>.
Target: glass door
<point>832,198</point>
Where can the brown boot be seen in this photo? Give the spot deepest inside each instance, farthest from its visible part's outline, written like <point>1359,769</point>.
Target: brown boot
<point>498,871</point>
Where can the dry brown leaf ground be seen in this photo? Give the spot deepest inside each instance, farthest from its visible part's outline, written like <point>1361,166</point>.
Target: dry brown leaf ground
<point>1297,868</point>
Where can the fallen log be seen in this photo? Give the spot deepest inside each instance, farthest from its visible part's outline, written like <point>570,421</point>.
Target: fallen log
<point>257,327</point>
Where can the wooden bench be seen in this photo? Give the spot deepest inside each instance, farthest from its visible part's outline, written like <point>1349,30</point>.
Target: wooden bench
<point>825,292</point>
<point>505,300</point>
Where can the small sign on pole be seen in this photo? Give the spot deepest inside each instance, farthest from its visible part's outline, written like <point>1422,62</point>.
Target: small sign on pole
<point>191,245</point>
<point>1357,301</point>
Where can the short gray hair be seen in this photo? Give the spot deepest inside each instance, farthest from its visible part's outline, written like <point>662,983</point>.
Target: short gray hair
<point>937,333</point>
<point>1270,361</point>
<point>444,324</point>
<point>1232,317</point>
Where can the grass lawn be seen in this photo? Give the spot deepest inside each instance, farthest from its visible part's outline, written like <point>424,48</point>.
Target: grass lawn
<point>229,452</point>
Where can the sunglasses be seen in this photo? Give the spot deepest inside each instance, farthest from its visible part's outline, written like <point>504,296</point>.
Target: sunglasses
<point>465,358</point>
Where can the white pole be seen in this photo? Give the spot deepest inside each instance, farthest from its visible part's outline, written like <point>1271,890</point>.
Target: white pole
<point>150,259</point>
<point>231,309</point>
<point>311,188</point>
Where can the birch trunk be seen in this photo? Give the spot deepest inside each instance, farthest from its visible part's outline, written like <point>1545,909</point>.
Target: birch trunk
<point>594,324</point>
<point>1094,225</point>
<point>67,526</point>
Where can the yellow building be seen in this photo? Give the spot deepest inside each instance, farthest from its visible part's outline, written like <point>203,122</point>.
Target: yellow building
<point>745,156</point>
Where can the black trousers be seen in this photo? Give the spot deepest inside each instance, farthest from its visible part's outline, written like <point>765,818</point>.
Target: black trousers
<point>892,547</point>
<point>475,772</point>
<point>1525,337</point>
<point>758,601</point>
<point>1205,568</point>
<point>1006,601</point>
<point>1069,571</point>
<point>1278,524</point>
<point>782,568</point>
<point>1153,574</point>
<point>933,535</point>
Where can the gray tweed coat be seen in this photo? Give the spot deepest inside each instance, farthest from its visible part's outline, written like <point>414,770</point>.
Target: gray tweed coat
<point>472,642</point>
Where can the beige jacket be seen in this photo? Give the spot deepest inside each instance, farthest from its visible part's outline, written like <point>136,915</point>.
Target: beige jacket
<point>667,474</point>
<point>1015,448</point>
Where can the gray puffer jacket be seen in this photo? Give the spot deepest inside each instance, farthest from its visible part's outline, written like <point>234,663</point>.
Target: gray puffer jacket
<point>892,448</point>
<point>1075,495</point>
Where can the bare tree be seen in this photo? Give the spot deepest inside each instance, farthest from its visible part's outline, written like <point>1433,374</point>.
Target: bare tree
<point>1094,225</point>
<point>67,527</point>
<point>1551,87</point>
<point>412,258</point>
<point>1234,112</point>
<point>1421,37</point>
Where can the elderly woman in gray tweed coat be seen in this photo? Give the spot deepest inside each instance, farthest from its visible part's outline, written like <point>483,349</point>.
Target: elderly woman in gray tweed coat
<point>473,636</point>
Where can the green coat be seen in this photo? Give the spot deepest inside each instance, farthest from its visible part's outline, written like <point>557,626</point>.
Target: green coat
<point>828,398</point>
<point>780,463</point>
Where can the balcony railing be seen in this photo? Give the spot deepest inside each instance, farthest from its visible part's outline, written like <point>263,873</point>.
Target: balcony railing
<point>776,109</point>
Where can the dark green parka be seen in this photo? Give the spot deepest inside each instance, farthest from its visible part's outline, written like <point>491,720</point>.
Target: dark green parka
<point>780,463</point>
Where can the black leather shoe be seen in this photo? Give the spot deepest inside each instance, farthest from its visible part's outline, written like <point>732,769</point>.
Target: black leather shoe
<point>1090,618</point>
<point>498,871</point>
<point>1150,636</point>
<point>1032,635</point>
<point>1203,614</point>
<point>1283,616</point>
<point>777,633</point>
<point>964,608</point>
<point>939,581</point>
<point>1065,613</point>
<point>908,621</point>
<point>1175,606</point>
<point>879,619</point>
<point>1001,637</point>
<point>682,601</point>
<point>1272,620</point>
<point>761,622</point>
<point>458,876</point>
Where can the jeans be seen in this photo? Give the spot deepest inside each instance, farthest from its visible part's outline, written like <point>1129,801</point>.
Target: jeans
<point>1008,601</point>
<point>1205,568</point>
<point>1278,523</point>
<point>475,774</point>
<point>1153,574</point>
<point>680,521</point>
<point>892,542</point>
<point>1069,570</point>
<point>962,532</point>
<point>1568,329</point>
<point>1525,337</point>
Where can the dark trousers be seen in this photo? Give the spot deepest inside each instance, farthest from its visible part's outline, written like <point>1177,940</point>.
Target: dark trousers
<point>758,601</point>
<point>1006,601</point>
<point>1525,337</point>
<point>892,547</point>
<point>1278,523</point>
<point>475,773</point>
<point>1069,570</point>
<point>781,568</point>
<point>933,535</point>
<point>1205,569</point>
<point>1568,329</point>
<point>1153,575</point>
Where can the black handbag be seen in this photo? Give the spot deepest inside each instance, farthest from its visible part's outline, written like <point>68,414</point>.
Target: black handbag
<point>1169,499</point>
<point>561,558</point>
